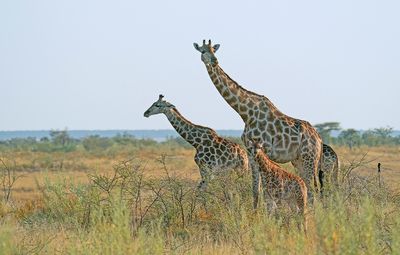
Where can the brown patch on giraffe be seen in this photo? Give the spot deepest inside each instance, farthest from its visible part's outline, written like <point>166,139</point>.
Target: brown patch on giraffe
<point>256,133</point>
<point>250,104</point>
<point>242,109</point>
<point>234,90</point>
<point>232,101</point>
<point>251,122</point>
<point>278,126</point>
<point>278,141</point>
<point>287,140</point>
<point>278,114</point>
<point>262,125</point>
<point>270,116</point>
<point>271,129</point>
<point>264,136</point>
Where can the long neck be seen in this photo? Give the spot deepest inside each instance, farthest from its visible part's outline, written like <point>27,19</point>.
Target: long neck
<point>261,161</point>
<point>265,164</point>
<point>246,103</point>
<point>186,129</point>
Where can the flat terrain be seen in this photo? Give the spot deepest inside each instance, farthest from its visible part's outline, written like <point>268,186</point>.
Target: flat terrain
<point>35,167</point>
<point>142,199</point>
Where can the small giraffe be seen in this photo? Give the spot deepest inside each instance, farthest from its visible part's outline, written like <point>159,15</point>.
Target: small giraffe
<point>284,139</point>
<point>280,186</point>
<point>214,154</point>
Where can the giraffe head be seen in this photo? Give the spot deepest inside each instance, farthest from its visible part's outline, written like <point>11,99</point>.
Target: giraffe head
<point>159,106</point>
<point>255,148</point>
<point>207,52</point>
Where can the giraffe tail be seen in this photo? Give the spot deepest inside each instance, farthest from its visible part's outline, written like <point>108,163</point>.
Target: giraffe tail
<point>321,173</point>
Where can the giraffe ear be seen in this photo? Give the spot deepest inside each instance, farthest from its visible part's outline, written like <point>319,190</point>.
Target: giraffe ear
<point>255,144</point>
<point>196,46</point>
<point>216,47</point>
<point>251,143</point>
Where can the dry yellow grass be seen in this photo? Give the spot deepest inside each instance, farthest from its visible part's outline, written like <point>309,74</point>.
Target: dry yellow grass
<point>69,220</point>
<point>389,157</point>
<point>35,167</point>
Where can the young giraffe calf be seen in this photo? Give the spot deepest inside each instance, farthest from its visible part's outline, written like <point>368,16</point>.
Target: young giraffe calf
<point>214,154</point>
<point>280,186</point>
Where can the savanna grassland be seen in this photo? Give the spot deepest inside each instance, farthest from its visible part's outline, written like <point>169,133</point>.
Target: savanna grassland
<point>134,196</point>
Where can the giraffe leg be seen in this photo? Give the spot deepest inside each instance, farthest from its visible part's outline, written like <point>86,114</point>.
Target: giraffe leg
<point>297,202</point>
<point>271,206</point>
<point>202,186</point>
<point>307,167</point>
<point>330,164</point>
<point>298,164</point>
<point>255,173</point>
<point>301,205</point>
<point>269,198</point>
<point>204,176</point>
<point>335,173</point>
<point>311,175</point>
<point>255,181</point>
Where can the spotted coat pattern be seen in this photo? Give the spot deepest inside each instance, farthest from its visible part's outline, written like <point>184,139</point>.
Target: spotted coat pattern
<point>279,186</point>
<point>284,139</point>
<point>214,154</point>
<point>329,168</point>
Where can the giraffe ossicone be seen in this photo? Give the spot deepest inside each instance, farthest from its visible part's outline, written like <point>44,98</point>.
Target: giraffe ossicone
<point>214,154</point>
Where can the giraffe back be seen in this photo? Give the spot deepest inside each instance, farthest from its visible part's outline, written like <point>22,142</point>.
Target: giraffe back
<point>218,154</point>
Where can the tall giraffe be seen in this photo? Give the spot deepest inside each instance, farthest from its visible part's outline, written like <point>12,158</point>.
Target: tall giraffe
<point>214,154</point>
<point>284,139</point>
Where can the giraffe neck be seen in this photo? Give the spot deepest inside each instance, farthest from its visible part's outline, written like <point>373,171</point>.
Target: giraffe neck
<point>244,102</point>
<point>186,129</point>
<point>264,163</point>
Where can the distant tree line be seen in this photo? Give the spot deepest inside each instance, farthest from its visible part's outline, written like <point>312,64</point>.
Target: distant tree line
<point>355,138</point>
<point>60,140</point>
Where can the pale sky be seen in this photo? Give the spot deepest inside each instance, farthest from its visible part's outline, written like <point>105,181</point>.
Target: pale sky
<point>101,64</point>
